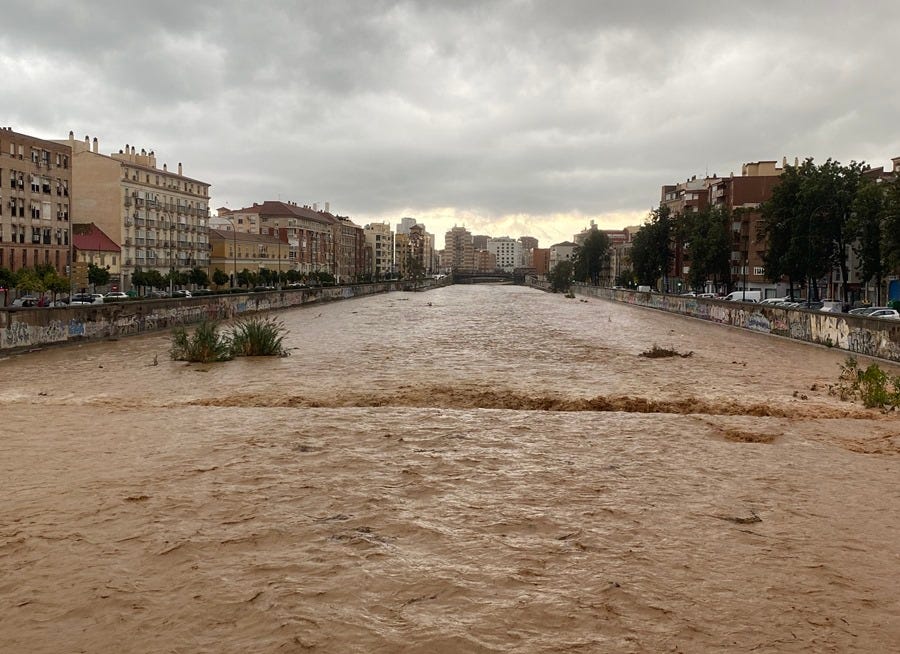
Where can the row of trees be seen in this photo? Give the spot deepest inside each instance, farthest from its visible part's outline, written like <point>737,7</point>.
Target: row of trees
<point>588,263</point>
<point>817,216</point>
<point>41,279</point>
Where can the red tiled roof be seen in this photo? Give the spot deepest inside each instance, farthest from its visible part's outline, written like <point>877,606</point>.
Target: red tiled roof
<point>86,237</point>
<point>276,208</point>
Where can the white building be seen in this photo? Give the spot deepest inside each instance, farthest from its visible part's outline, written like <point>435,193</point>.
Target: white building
<point>561,252</point>
<point>508,252</point>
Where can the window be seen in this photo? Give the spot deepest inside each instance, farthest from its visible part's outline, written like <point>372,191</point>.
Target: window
<point>35,184</point>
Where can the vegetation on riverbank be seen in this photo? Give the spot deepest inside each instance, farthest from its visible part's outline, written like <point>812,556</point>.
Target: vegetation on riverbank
<point>872,386</point>
<point>252,337</point>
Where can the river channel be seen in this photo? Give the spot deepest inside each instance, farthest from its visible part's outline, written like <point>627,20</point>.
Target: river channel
<point>472,469</point>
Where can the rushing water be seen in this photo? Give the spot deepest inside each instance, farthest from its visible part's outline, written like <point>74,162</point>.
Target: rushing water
<point>472,469</point>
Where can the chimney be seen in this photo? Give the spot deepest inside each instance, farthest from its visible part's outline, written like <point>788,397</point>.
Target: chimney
<point>87,142</point>
<point>327,207</point>
<point>179,168</point>
<point>315,206</point>
<point>96,146</point>
<point>152,159</point>
<point>165,168</point>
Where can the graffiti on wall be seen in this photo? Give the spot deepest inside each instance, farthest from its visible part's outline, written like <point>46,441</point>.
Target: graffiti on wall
<point>834,330</point>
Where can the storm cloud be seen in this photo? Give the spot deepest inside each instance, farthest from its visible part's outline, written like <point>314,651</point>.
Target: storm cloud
<point>510,117</point>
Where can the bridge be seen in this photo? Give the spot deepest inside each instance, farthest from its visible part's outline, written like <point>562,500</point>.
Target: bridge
<point>498,277</point>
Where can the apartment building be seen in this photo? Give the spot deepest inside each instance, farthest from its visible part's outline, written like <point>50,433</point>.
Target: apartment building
<point>485,261</point>
<point>459,252</point>
<point>158,217</point>
<point>561,252</point>
<point>380,240</point>
<point>35,188</point>
<point>350,248</point>
<point>741,196</point>
<point>310,232</point>
<point>507,252</point>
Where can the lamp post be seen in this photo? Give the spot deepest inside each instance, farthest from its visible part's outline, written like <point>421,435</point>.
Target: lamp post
<point>233,250</point>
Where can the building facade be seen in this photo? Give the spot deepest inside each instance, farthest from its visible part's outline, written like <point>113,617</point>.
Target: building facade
<point>380,240</point>
<point>459,252</point>
<point>35,197</point>
<point>233,251</point>
<point>507,251</point>
<point>158,217</point>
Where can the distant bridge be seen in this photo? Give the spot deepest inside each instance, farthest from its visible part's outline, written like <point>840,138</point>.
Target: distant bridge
<point>483,278</point>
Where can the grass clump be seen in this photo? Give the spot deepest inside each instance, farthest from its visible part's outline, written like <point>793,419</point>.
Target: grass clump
<point>872,386</point>
<point>205,345</point>
<point>657,352</point>
<point>253,337</point>
<point>258,337</point>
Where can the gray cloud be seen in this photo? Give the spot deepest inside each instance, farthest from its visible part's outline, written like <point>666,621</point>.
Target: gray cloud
<point>523,110</point>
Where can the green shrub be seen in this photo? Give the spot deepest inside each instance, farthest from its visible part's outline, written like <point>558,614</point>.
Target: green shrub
<point>258,337</point>
<point>205,345</point>
<point>873,386</point>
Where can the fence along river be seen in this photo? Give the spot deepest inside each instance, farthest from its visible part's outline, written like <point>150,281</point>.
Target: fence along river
<point>472,469</point>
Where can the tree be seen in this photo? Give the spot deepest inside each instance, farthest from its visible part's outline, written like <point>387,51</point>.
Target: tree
<point>7,281</point>
<point>650,250</point>
<point>707,238</point>
<point>246,278</point>
<point>198,277</point>
<point>867,221</point>
<point>625,278</point>
<point>220,277</point>
<point>560,277</point>
<point>155,279</point>
<point>97,276</point>
<point>891,227</point>
<point>28,281</point>
<point>591,257</point>
<point>415,270</point>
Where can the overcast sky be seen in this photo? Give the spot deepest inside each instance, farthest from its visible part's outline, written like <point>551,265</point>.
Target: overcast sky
<point>508,117</point>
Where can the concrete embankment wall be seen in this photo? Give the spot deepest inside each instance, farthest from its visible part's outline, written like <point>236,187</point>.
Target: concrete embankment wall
<point>24,329</point>
<point>857,334</point>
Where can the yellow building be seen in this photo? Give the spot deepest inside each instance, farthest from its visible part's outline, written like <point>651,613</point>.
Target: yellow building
<point>234,251</point>
<point>158,217</point>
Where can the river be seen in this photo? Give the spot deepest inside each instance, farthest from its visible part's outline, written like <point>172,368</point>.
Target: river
<point>471,469</point>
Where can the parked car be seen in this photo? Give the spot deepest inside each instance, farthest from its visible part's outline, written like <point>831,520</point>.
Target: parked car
<point>744,296</point>
<point>775,300</point>
<point>885,313</point>
<point>832,306</point>
<point>154,294</point>
<point>26,301</point>
<point>865,311</point>
<point>181,293</point>
<point>84,298</point>
<point>116,295</point>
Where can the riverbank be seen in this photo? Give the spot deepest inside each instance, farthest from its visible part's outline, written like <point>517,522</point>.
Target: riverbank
<point>873,337</point>
<point>22,330</point>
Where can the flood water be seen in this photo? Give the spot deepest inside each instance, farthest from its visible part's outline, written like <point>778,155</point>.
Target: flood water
<point>471,469</point>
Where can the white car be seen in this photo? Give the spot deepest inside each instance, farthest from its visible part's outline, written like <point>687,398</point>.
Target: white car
<point>116,295</point>
<point>885,313</point>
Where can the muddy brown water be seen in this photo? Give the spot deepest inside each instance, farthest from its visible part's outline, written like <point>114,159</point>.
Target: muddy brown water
<point>473,469</point>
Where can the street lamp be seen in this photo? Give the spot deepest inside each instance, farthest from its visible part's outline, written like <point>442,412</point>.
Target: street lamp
<point>233,250</point>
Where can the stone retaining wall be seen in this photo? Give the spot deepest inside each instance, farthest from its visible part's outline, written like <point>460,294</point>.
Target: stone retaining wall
<point>875,337</point>
<point>24,329</point>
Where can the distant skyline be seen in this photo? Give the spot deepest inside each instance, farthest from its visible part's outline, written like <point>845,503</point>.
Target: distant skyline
<point>510,118</point>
